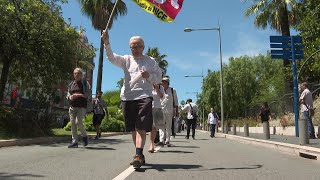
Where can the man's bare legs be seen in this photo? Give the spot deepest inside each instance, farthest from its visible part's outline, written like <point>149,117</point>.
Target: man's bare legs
<point>140,138</point>
<point>133,133</point>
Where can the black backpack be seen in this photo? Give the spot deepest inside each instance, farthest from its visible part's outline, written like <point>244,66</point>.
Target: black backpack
<point>193,112</point>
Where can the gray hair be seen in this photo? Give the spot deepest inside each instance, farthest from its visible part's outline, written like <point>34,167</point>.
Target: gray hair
<point>78,70</point>
<point>138,38</point>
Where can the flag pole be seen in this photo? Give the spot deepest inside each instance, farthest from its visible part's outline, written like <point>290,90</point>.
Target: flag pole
<point>114,7</point>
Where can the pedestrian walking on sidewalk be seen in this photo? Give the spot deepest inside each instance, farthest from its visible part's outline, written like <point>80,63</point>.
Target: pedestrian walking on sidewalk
<point>169,104</point>
<point>140,73</point>
<point>158,121</point>
<point>307,110</point>
<point>99,112</point>
<point>79,96</point>
<point>192,110</point>
<point>213,118</point>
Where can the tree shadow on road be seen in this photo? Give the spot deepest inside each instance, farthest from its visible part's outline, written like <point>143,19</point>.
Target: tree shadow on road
<point>164,167</point>
<point>186,146</point>
<point>18,176</point>
<point>176,151</point>
<point>93,142</point>
<point>98,148</point>
<point>235,168</point>
<point>182,167</point>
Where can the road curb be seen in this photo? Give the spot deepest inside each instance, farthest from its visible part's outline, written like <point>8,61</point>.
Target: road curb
<point>299,150</point>
<point>43,140</point>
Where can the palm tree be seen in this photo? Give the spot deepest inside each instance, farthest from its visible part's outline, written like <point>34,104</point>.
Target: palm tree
<point>99,12</point>
<point>163,64</point>
<point>278,14</point>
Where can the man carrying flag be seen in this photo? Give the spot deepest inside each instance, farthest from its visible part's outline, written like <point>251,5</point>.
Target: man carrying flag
<point>141,72</point>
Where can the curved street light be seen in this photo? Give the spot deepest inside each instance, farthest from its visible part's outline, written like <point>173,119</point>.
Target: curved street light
<point>306,62</point>
<point>221,73</point>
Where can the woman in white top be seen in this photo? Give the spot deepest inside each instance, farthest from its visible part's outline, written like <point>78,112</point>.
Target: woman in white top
<point>157,114</point>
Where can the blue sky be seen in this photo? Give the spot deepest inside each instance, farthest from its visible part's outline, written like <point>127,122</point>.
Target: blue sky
<point>188,53</point>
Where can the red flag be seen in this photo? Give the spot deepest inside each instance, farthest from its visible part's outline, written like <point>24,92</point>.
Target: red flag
<point>165,10</point>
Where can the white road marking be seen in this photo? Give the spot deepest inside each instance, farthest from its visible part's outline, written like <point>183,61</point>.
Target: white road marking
<point>130,169</point>
<point>124,174</point>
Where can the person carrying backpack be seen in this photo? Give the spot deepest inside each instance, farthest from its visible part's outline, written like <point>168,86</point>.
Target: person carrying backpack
<point>99,112</point>
<point>192,116</point>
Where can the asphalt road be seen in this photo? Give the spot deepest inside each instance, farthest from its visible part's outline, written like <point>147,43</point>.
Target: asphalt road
<point>109,158</point>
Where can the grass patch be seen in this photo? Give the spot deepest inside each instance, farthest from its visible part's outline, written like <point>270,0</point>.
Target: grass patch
<point>62,132</point>
<point>55,133</point>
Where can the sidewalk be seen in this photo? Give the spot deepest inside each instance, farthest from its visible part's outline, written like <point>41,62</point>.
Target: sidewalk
<point>46,140</point>
<point>287,144</point>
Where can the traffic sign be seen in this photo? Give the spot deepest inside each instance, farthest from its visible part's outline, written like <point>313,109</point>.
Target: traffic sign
<point>289,47</point>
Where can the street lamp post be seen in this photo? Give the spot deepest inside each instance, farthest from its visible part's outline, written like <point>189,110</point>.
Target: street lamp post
<point>203,123</point>
<point>221,73</point>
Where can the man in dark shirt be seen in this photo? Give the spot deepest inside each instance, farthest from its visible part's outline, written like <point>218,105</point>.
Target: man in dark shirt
<point>79,92</point>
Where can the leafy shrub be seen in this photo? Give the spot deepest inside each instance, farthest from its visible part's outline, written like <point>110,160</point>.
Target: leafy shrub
<point>112,125</point>
<point>241,121</point>
<point>25,122</point>
<point>113,111</point>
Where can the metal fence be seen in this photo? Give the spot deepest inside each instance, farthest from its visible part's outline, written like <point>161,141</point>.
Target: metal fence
<point>282,105</point>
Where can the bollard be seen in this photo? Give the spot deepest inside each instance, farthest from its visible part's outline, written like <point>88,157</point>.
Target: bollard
<point>303,132</point>
<point>246,130</point>
<point>274,130</point>
<point>266,130</point>
<point>234,131</point>
<point>217,127</point>
<point>226,128</point>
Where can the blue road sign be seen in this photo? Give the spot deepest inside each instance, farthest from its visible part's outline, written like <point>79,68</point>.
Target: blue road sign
<point>289,47</point>
<point>279,39</point>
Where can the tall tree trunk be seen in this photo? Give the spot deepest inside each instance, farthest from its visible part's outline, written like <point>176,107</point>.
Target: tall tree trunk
<point>4,77</point>
<point>288,85</point>
<point>100,67</point>
<point>285,28</point>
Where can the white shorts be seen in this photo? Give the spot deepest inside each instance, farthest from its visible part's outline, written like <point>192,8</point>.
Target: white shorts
<point>158,121</point>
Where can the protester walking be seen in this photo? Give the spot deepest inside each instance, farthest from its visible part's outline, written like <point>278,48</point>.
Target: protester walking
<point>192,110</point>
<point>79,96</point>
<point>213,118</point>
<point>307,110</point>
<point>99,112</point>
<point>158,121</point>
<point>141,72</point>
<point>169,104</point>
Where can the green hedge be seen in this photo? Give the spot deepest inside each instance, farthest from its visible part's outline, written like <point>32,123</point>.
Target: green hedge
<point>111,125</point>
<point>240,122</point>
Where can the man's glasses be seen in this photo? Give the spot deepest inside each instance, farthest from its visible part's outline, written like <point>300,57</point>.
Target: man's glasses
<point>135,47</point>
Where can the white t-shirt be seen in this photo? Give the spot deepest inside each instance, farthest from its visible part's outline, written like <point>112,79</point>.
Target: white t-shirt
<point>168,98</point>
<point>211,118</point>
<point>156,98</point>
<point>131,68</point>
<point>307,98</point>
<point>188,108</point>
